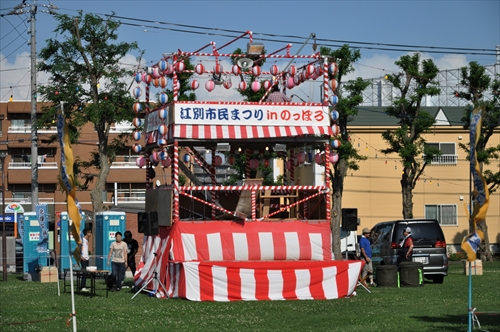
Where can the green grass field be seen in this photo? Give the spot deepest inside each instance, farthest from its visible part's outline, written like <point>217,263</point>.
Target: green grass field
<point>33,306</point>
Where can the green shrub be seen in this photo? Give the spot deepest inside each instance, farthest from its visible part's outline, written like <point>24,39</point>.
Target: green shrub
<point>457,256</point>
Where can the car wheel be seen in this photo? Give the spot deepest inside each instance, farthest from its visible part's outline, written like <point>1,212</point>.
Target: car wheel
<point>438,279</point>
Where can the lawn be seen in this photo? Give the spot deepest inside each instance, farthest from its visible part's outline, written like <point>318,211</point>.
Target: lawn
<point>33,306</point>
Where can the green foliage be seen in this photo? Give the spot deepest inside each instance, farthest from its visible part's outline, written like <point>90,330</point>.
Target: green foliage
<point>87,76</point>
<point>477,83</point>
<point>182,179</point>
<point>347,105</point>
<point>416,80</point>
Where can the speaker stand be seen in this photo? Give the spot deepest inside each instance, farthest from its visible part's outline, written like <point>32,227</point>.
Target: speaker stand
<point>153,279</point>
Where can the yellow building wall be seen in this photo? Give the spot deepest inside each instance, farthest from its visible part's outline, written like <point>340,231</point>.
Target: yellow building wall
<point>376,190</point>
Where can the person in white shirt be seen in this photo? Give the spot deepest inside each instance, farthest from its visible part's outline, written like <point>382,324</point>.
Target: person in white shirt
<point>84,262</point>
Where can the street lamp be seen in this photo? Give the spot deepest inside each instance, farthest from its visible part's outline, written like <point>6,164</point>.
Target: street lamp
<point>3,154</point>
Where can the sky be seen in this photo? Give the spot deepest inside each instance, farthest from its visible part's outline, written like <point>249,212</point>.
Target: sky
<point>452,33</point>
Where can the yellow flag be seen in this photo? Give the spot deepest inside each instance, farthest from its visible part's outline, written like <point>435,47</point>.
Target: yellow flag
<point>67,181</point>
<point>470,244</point>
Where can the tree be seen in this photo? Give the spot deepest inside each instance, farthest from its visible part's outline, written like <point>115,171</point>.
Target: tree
<point>477,85</point>
<point>414,82</point>
<point>348,155</point>
<point>86,74</point>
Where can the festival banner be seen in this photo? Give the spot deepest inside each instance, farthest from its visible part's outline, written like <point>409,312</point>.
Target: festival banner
<point>67,181</point>
<point>470,244</point>
<point>41,215</point>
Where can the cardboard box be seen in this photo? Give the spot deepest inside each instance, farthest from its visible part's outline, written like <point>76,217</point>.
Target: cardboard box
<point>49,274</point>
<point>476,267</point>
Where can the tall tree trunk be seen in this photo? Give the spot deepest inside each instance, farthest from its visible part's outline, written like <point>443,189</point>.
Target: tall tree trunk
<point>407,192</point>
<point>336,206</point>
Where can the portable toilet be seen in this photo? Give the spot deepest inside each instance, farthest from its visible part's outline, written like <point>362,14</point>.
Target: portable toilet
<point>107,224</point>
<point>35,254</point>
<point>66,240</point>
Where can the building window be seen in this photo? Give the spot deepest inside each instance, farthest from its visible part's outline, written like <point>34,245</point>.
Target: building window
<point>448,153</point>
<point>445,214</point>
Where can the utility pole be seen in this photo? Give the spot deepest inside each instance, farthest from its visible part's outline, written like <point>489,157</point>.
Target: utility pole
<point>18,10</point>
<point>34,131</point>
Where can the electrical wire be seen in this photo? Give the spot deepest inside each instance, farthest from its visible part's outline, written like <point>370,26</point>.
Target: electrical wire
<point>373,46</point>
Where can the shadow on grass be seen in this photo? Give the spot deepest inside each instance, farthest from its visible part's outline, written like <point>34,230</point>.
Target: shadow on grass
<point>489,322</point>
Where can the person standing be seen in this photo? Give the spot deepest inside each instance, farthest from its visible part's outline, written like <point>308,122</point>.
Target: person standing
<point>118,257</point>
<point>132,248</point>
<point>84,259</point>
<point>406,252</point>
<point>366,255</point>
<point>276,96</point>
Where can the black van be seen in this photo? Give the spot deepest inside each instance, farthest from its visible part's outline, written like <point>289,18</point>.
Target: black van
<point>429,245</point>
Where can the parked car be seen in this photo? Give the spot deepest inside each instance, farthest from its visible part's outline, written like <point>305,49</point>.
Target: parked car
<point>429,245</point>
<point>19,256</point>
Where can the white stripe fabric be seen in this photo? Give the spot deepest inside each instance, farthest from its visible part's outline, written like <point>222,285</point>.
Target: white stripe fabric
<point>189,247</point>
<point>215,247</point>
<point>240,246</point>
<point>275,284</point>
<point>303,279</point>
<point>248,284</point>
<point>292,246</point>
<point>266,246</point>
<point>192,281</point>
<point>316,247</point>
<point>329,287</point>
<point>219,277</point>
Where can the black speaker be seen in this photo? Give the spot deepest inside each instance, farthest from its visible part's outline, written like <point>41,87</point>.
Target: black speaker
<point>147,222</point>
<point>349,220</point>
<point>142,219</point>
<point>152,228</point>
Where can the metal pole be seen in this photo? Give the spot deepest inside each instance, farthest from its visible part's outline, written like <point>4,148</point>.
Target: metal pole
<point>4,235</point>
<point>34,133</point>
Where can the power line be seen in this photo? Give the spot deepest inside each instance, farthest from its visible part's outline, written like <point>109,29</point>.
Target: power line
<point>374,46</point>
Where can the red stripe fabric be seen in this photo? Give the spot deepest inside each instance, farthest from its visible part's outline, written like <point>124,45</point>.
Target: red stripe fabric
<point>244,132</point>
<point>267,276</point>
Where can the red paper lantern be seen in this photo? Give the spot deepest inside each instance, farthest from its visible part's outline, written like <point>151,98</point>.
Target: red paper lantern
<point>335,130</point>
<point>334,157</point>
<point>209,85</point>
<point>290,83</point>
<point>267,85</point>
<point>243,85</point>
<point>274,70</point>
<point>166,162</point>
<point>255,86</point>
<point>333,84</point>
<point>199,69</point>
<point>228,84</point>
<point>231,159</point>
<point>236,70</point>
<point>255,71</point>
<point>180,66</point>
<point>194,84</point>
<point>254,163</point>
<point>292,70</point>
<point>217,161</point>
<point>140,162</point>
<point>218,69</point>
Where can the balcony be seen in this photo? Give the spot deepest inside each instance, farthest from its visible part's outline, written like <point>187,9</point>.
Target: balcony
<point>445,159</point>
<point>130,196</point>
<point>27,165</point>
<point>20,172</point>
<point>122,127</point>
<point>27,130</point>
<point>125,162</point>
